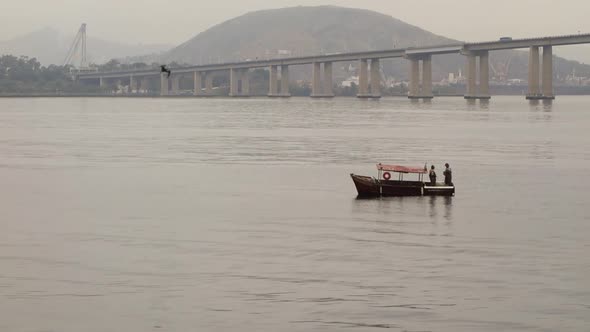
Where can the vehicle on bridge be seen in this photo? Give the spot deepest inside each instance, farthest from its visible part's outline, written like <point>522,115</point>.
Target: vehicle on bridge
<point>505,39</point>
<point>383,185</point>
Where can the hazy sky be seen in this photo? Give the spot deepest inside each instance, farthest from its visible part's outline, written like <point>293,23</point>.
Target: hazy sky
<point>175,21</point>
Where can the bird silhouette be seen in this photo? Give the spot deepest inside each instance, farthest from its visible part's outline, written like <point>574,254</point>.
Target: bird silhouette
<point>163,69</point>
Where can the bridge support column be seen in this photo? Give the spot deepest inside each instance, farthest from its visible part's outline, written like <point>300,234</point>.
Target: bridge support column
<point>363,79</point>
<point>176,85</point>
<point>322,88</point>
<point>316,80</point>
<point>273,88</point>
<point>537,92</point>
<point>484,75</point>
<point>239,83</point>
<point>471,72</point>
<point>426,92</point>
<point>234,81</point>
<point>245,78</point>
<point>375,78</point>
<point>473,90</point>
<point>533,73</point>
<point>328,91</point>
<point>420,88</point>
<point>285,81</point>
<point>414,86</point>
<point>197,84</point>
<point>548,72</point>
<point>209,84</point>
<point>101,82</point>
<point>164,84</point>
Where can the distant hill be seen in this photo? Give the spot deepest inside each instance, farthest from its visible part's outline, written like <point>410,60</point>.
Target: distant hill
<point>49,47</point>
<point>326,29</point>
<point>294,31</point>
<point>301,31</point>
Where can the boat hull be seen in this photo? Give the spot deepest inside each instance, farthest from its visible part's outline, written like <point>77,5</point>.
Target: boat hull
<point>370,187</point>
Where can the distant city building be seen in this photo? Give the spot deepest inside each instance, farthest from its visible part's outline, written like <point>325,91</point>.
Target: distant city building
<point>515,81</point>
<point>390,82</point>
<point>575,80</point>
<point>349,81</point>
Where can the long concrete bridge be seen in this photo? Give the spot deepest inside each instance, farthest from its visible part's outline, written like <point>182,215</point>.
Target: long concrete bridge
<point>540,82</point>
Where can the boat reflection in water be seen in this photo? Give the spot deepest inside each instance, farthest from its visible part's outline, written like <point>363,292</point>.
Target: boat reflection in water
<point>383,185</point>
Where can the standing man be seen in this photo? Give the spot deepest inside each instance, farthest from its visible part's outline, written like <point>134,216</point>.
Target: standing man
<point>448,173</point>
<point>432,176</point>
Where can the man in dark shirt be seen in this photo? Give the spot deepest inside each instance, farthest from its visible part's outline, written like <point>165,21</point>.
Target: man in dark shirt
<point>432,176</point>
<point>448,173</point>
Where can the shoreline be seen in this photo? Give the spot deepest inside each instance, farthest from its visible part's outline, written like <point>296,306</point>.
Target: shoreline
<point>39,95</point>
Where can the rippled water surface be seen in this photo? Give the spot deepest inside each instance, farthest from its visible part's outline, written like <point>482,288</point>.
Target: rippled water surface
<point>239,215</point>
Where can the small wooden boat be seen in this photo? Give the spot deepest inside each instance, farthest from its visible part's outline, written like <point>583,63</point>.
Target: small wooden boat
<point>383,185</point>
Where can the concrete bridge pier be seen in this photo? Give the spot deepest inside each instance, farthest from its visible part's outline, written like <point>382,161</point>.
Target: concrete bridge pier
<point>164,85</point>
<point>245,79</point>
<point>234,81</point>
<point>285,81</point>
<point>273,88</point>
<point>175,91</point>
<point>316,80</point>
<point>197,84</point>
<point>239,83</point>
<point>484,75</point>
<point>548,72</point>
<point>471,72</point>
<point>328,91</point>
<point>426,92</point>
<point>534,91</point>
<point>473,90</point>
<point>375,78</point>
<point>414,86</point>
<point>420,89</point>
<point>363,89</point>
<point>322,88</point>
<point>537,92</point>
<point>209,83</point>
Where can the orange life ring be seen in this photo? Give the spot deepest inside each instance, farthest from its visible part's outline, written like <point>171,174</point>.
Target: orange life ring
<point>387,175</point>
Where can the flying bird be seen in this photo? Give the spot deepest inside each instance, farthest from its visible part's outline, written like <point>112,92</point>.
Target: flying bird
<point>163,69</point>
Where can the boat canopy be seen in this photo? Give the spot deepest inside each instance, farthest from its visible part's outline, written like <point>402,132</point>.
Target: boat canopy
<point>401,169</point>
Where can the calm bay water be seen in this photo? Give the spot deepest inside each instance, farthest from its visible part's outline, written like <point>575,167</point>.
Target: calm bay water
<point>239,215</point>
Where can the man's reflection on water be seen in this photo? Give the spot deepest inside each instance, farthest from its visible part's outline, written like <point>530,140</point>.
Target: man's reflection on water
<point>405,205</point>
<point>435,202</point>
<point>400,214</point>
<point>448,204</point>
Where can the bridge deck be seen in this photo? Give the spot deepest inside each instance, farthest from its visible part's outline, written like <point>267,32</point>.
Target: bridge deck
<point>354,56</point>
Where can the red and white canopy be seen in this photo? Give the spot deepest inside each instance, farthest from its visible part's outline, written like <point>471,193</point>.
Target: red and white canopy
<point>401,169</point>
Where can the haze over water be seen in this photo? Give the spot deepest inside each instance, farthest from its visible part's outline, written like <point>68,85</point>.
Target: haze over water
<point>239,215</point>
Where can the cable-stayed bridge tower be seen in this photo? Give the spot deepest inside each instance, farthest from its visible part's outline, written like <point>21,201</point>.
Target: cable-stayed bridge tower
<point>77,56</point>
